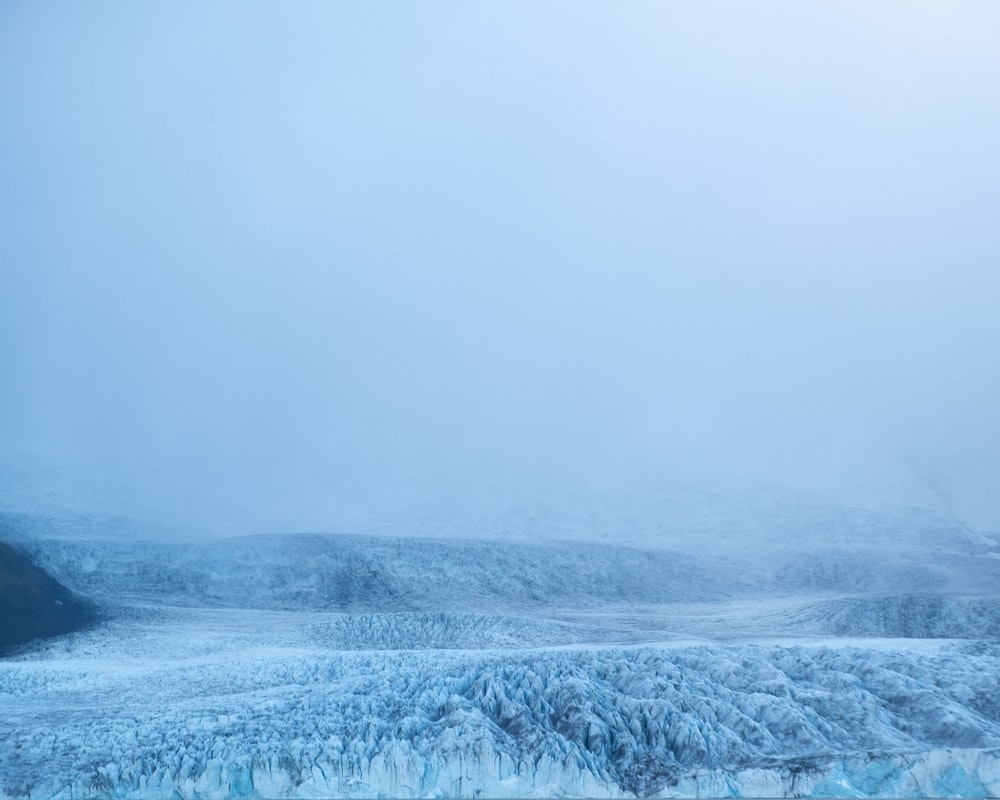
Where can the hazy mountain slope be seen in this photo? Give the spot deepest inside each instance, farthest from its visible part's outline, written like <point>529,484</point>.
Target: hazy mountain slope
<point>354,573</point>
<point>384,574</point>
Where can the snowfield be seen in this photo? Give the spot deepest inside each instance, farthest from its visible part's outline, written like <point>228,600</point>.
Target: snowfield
<point>319,666</point>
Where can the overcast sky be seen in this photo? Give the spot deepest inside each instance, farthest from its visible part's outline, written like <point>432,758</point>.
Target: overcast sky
<point>279,255</point>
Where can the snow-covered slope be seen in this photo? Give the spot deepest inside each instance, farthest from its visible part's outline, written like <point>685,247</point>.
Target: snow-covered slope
<point>381,574</point>
<point>907,616</point>
<point>359,573</point>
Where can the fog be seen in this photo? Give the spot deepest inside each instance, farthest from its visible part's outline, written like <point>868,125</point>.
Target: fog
<point>261,262</point>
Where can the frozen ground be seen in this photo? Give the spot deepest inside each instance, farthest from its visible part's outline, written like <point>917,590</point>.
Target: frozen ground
<point>316,666</point>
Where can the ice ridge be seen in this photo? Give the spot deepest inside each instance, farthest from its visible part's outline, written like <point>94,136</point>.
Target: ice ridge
<point>728,721</point>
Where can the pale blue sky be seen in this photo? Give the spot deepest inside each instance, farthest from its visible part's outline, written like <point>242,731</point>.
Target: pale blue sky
<point>298,251</point>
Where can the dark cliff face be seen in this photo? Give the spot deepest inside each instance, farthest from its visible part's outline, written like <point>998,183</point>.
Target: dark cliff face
<point>34,605</point>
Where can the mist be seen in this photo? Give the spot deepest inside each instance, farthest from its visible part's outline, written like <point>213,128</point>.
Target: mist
<point>262,265</point>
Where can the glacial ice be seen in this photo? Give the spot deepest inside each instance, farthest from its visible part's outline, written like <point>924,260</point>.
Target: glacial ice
<point>146,714</point>
<point>318,666</point>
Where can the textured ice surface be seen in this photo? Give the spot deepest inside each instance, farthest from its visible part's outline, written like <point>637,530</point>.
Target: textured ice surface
<point>227,702</point>
<point>354,573</point>
<point>312,666</point>
<point>359,574</point>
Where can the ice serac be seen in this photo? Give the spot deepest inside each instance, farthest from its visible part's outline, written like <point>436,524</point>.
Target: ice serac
<point>940,773</point>
<point>723,721</point>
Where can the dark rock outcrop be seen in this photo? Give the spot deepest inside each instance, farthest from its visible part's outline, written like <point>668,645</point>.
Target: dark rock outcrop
<point>34,605</point>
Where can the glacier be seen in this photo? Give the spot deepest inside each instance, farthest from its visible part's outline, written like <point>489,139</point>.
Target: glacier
<point>360,666</point>
<point>160,709</point>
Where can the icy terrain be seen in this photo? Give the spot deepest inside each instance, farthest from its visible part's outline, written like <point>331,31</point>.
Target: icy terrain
<point>230,703</point>
<point>316,666</point>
